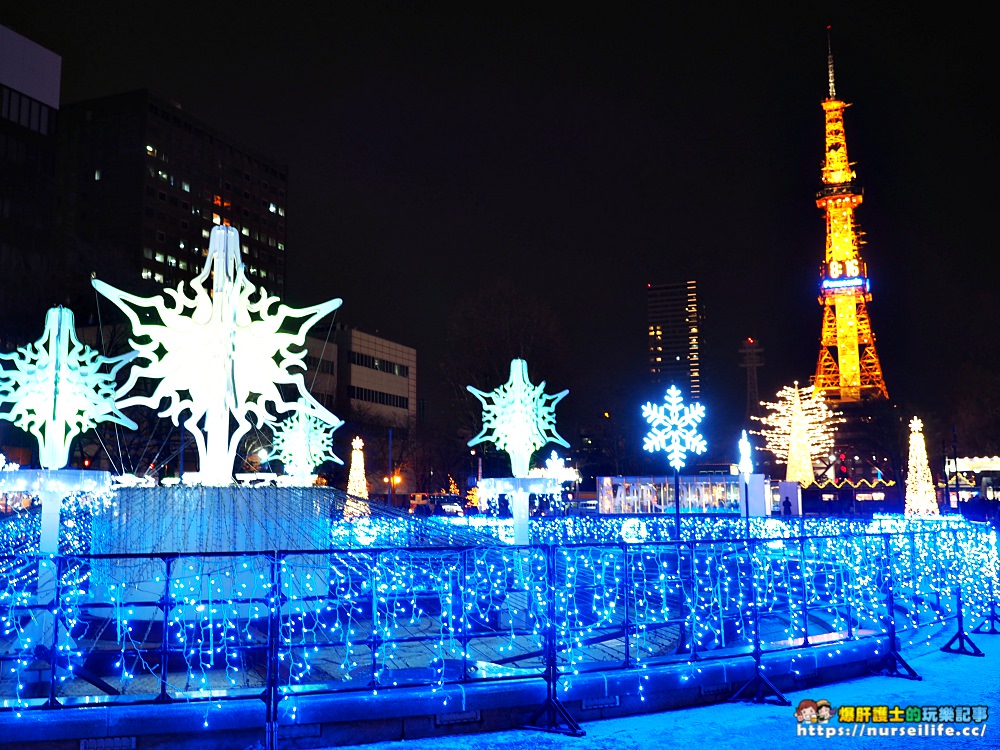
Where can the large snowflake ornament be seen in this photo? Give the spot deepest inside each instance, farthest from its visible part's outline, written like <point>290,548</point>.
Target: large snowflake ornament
<point>58,388</point>
<point>302,442</point>
<point>518,417</point>
<point>674,428</point>
<point>220,353</point>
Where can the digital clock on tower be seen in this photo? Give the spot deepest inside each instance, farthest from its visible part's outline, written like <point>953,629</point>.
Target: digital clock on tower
<point>843,269</point>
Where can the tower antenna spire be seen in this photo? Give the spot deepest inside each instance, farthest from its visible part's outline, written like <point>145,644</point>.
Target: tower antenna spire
<point>829,64</point>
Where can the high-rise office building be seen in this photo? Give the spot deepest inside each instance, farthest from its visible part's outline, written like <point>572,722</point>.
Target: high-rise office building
<point>29,102</point>
<point>362,377</point>
<point>142,183</point>
<point>674,335</point>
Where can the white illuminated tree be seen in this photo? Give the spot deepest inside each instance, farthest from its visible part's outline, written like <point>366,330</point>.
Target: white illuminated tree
<point>221,353</point>
<point>357,482</point>
<point>920,496</point>
<point>518,417</point>
<point>798,429</point>
<point>57,388</point>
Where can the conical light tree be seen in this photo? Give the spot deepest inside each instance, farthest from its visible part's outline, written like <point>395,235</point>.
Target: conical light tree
<point>357,483</point>
<point>798,429</point>
<point>920,497</point>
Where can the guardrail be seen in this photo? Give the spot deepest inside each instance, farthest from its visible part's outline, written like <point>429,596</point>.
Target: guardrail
<point>168,627</point>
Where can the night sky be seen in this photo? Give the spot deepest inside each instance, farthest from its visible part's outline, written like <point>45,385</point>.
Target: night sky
<point>585,154</point>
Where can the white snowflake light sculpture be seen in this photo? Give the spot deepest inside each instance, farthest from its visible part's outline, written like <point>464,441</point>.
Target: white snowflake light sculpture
<point>58,388</point>
<point>674,428</point>
<point>302,442</point>
<point>518,417</point>
<point>798,429</point>
<point>920,496</point>
<point>357,482</point>
<point>220,354</point>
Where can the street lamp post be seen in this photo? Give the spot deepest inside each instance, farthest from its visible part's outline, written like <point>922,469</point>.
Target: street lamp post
<point>391,473</point>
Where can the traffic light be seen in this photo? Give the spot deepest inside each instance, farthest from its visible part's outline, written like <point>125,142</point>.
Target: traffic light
<point>842,468</point>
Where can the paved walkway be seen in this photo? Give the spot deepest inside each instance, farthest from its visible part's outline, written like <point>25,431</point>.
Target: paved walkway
<point>952,680</point>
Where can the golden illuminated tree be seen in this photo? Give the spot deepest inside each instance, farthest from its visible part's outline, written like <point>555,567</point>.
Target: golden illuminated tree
<point>920,497</point>
<point>357,484</point>
<point>798,428</point>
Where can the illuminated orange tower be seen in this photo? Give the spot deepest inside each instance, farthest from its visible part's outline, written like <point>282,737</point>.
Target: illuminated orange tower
<point>848,369</point>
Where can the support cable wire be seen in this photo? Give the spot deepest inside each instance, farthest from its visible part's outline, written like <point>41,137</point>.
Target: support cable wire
<point>104,351</point>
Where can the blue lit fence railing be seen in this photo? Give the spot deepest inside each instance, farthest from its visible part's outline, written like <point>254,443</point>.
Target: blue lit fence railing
<point>220,626</point>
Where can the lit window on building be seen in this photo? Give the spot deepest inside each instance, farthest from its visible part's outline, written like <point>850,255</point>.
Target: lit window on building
<point>146,273</point>
<point>159,257</point>
<point>151,150</point>
<point>206,233</point>
<point>158,278</point>
<point>171,261</point>
<point>147,252</point>
<point>216,219</point>
<point>186,187</point>
<point>97,175</point>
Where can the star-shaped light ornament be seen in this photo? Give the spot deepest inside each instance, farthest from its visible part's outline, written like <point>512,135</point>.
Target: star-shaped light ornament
<point>220,351</point>
<point>57,388</point>
<point>518,417</point>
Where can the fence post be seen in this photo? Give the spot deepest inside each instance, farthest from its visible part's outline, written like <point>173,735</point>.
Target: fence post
<point>55,658</point>
<point>164,638</point>
<point>991,619</point>
<point>805,591</point>
<point>891,661</point>
<point>759,682</point>
<point>273,676</point>
<point>965,644</point>
<point>553,714</point>
<point>694,598</point>
<point>627,591</point>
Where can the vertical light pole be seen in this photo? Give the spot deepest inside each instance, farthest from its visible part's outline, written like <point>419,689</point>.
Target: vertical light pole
<point>954,448</point>
<point>390,474</point>
<point>746,469</point>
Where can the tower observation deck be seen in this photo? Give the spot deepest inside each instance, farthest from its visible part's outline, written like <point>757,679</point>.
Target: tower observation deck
<point>848,368</point>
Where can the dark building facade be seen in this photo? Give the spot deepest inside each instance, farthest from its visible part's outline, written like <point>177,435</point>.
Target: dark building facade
<point>141,184</point>
<point>29,105</point>
<point>674,335</point>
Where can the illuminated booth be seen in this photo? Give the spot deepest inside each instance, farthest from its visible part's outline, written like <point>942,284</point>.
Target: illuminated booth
<point>699,493</point>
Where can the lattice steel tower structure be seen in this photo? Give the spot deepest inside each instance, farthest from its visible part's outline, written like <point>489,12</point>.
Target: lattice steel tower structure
<point>848,369</point>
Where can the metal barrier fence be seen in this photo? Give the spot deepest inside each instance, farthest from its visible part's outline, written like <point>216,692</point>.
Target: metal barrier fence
<point>228,626</point>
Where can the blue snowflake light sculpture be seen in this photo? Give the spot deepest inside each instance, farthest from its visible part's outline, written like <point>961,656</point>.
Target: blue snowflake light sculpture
<point>674,428</point>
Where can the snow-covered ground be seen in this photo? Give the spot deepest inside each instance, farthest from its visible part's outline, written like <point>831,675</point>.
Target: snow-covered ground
<point>948,680</point>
